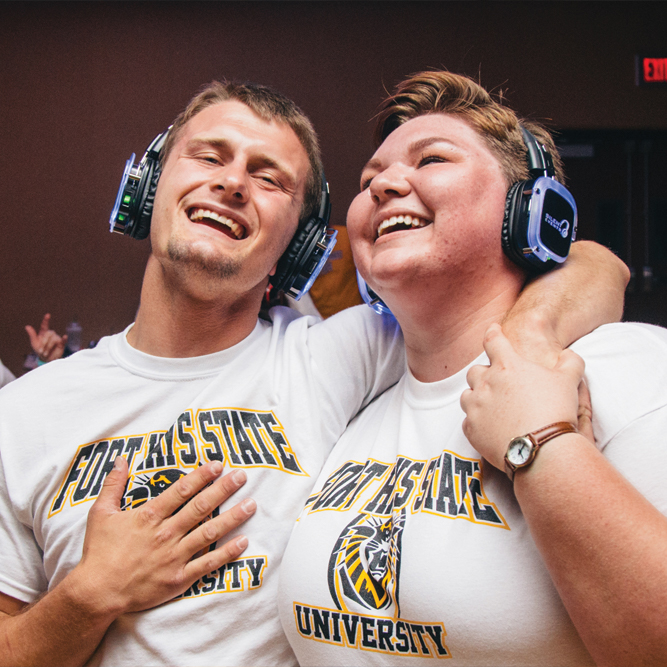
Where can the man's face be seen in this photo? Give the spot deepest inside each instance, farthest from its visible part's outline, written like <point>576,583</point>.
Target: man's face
<point>437,173</point>
<point>229,197</point>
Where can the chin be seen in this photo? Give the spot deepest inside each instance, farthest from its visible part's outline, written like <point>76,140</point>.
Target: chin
<point>189,257</point>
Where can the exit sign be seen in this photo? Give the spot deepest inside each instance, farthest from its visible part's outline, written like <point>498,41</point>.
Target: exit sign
<point>651,71</point>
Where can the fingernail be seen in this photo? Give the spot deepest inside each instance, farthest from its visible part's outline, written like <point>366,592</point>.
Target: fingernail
<point>216,467</point>
<point>239,477</point>
<point>116,463</point>
<point>242,542</point>
<point>248,505</point>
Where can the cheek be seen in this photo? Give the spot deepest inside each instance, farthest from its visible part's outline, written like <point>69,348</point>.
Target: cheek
<point>359,223</point>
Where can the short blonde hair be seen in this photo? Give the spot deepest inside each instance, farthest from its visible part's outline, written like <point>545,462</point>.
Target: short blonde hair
<point>444,92</point>
<point>268,105</point>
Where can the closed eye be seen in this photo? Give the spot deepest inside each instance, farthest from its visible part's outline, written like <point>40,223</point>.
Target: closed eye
<point>431,159</point>
<point>366,181</point>
<point>208,159</point>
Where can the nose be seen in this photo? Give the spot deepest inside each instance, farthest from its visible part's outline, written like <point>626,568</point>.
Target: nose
<point>230,179</point>
<point>390,182</point>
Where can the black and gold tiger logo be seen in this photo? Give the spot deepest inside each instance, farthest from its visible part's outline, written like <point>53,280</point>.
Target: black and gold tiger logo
<point>142,488</point>
<point>364,568</point>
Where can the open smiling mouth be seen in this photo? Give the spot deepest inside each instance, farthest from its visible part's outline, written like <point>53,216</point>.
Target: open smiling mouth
<point>230,227</point>
<point>401,222</point>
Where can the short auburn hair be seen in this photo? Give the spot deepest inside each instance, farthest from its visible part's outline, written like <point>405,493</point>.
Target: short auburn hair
<point>268,105</point>
<point>445,92</point>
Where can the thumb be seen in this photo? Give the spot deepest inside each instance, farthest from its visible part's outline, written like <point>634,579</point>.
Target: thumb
<point>113,487</point>
<point>571,364</point>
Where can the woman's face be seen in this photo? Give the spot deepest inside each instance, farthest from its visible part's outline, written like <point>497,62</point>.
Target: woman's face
<point>431,206</point>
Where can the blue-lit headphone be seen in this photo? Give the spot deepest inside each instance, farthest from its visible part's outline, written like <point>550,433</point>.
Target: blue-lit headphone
<point>540,220</point>
<point>299,265</point>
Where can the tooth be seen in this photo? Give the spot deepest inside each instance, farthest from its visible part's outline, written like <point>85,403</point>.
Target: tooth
<point>393,220</point>
<point>237,230</point>
<point>400,218</point>
<point>407,219</point>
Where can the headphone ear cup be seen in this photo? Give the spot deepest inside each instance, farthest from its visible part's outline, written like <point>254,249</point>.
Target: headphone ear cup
<point>288,263</point>
<point>514,235</point>
<point>145,212</point>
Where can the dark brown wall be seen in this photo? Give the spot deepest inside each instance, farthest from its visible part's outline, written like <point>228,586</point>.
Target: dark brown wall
<point>83,85</point>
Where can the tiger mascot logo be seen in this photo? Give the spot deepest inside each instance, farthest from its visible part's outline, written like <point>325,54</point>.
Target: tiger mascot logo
<point>364,567</point>
<point>145,487</point>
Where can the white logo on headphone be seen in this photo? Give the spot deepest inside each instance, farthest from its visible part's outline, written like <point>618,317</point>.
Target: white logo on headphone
<point>562,227</point>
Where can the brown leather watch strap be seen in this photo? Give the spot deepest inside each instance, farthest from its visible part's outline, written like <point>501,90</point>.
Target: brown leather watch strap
<point>537,438</point>
<point>545,434</point>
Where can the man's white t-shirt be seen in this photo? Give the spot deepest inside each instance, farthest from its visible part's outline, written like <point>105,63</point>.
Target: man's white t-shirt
<point>410,552</point>
<point>6,376</point>
<point>274,404</point>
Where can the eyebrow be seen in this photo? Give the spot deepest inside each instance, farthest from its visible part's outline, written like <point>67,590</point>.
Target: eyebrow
<point>254,161</point>
<point>415,147</point>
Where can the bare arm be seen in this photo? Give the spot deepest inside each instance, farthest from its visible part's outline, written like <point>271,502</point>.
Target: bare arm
<point>560,307</point>
<point>603,543</point>
<point>131,561</point>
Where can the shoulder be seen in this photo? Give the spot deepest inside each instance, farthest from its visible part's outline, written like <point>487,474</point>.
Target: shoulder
<point>56,376</point>
<point>629,337</point>
<point>626,372</point>
<point>358,321</point>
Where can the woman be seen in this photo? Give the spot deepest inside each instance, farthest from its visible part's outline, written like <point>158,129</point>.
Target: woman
<point>415,542</point>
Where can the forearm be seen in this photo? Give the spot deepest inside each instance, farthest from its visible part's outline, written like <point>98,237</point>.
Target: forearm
<point>604,546</point>
<point>62,628</point>
<point>560,307</point>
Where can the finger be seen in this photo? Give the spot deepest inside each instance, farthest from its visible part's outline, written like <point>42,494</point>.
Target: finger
<point>475,375</point>
<point>585,413</point>
<point>201,506</point>
<point>182,490</point>
<point>44,326</point>
<point>49,342</point>
<point>215,559</point>
<point>32,334</point>
<point>465,401</point>
<point>113,488</point>
<point>497,347</point>
<point>215,529</point>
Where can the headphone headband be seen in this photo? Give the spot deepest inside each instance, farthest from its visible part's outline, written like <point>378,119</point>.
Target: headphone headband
<point>540,162</point>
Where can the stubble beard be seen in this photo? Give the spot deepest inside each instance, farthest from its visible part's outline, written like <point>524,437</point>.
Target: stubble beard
<point>185,255</point>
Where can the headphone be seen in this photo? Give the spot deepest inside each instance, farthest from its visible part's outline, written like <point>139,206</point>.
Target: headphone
<point>540,220</point>
<point>297,268</point>
<point>540,214</point>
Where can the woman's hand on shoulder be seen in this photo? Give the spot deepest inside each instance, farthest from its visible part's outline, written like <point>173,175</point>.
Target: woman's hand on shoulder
<point>514,396</point>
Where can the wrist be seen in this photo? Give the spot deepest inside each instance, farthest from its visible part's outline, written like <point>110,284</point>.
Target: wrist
<point>534,336</point>
<point>523,450</point>
<point>557,458</point>
<point>84,595</point>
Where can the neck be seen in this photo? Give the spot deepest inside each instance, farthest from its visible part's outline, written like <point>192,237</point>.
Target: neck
<point>178,321</point>
<point>445,334</point>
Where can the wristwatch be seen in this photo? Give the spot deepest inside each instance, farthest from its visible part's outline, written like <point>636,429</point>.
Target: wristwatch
<point>522,450</point>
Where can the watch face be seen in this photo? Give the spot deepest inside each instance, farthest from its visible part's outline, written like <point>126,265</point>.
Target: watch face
<point>520,451</point>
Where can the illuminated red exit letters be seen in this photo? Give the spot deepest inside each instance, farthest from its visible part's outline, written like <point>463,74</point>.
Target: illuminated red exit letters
<point>654,70</point>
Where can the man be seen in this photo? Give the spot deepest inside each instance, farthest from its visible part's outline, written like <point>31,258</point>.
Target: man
<point>195,382</point>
